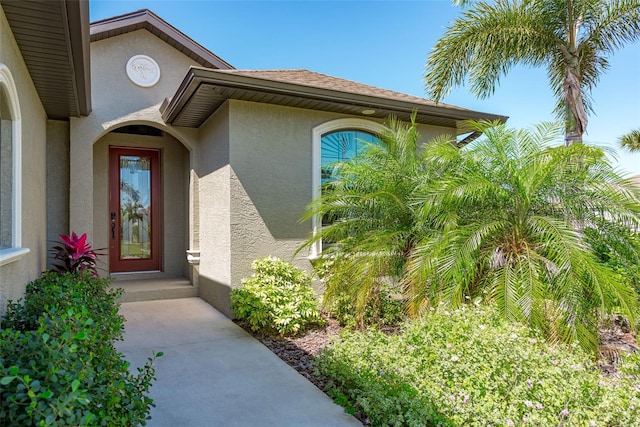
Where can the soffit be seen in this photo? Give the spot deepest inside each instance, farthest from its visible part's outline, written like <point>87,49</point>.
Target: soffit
<point>147,20</point>
<point>203,91</point>
<point>53,38</point>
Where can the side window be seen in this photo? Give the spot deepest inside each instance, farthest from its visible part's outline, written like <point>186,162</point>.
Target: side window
<point>6,172</point>
<point>340,146</point>
<point>10,170</point>
<point>336,140</point>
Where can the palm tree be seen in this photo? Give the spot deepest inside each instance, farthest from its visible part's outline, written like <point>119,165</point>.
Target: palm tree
<point>508,215</point>
<point>631,141</point>
<point>372,220</point>
<point>570,38</point>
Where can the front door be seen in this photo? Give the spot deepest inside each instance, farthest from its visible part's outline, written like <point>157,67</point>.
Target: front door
<point>134,209</point>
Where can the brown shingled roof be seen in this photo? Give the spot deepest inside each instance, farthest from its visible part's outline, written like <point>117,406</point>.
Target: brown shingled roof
<point>324,81</point>
<point>204,90</point>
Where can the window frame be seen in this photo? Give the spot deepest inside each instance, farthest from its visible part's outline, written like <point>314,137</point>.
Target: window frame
<point>318,132</point>
<point>16,250</point>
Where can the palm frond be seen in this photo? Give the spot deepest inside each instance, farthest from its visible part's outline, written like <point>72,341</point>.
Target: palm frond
<point>484,44</point>
<point>571,39</point>
<point>612,24</point>
<point>515,208</point>
<point>631,141</point>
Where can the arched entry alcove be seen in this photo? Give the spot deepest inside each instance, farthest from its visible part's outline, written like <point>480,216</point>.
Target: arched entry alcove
<point>141,202</point>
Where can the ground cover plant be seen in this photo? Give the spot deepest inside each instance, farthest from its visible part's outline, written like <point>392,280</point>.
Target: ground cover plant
<point>278,297</point>
<point>471,367</point>
<point>58,363</point>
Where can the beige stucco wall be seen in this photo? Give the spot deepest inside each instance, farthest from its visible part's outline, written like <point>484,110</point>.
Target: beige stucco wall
<point>271,185</point>
<point>271,182</point>
<point>57,181</point>
<point>15,275</point>
<point>212,232</point>
<point>174,159</point>
<point>117,102</point>
<point>269,178</point>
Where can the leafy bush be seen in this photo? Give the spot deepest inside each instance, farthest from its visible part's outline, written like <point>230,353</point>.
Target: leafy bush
<point>75,253</point>
<point>277,297</point>
<point>66,291</point>
<point>620,255</point>
<point>58,363</point>
<point>470,367</point>
<point>383,307</point>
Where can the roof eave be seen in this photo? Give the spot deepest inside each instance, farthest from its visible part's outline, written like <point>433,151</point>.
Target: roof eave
<point>70,80</point>
<point>196,76</point>
<point>128,22</point>
<point>77,15</point>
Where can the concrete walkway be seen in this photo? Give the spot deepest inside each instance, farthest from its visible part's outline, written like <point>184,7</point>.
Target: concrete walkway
<point>215,374</point>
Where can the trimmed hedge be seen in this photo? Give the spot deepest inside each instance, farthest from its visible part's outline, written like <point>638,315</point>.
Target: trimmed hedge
<point>58,363</point>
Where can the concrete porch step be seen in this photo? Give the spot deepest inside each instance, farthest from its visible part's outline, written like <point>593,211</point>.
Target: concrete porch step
<point>155,289</point>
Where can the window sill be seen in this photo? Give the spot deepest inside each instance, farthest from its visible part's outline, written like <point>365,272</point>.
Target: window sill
<point>12,254</point>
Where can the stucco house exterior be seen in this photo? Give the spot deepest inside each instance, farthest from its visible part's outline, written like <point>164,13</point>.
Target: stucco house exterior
<point>182,167</point>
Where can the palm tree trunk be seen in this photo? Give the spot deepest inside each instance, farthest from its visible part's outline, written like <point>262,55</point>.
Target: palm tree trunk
<point>576,112</point>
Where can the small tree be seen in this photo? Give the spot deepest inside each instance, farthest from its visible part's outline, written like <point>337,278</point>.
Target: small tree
<point>510,214</point>
<point>502,221</point>
<point>373,221</point>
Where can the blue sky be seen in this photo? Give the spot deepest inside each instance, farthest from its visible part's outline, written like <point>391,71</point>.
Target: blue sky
<point>385,44</point>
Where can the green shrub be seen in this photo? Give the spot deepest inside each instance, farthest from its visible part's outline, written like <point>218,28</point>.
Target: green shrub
<point>68,291</point>
<point>620,255</point>
<point>58,363</point>
<point>277,297</point>
<point>382,308</point>
<point>469,367</point>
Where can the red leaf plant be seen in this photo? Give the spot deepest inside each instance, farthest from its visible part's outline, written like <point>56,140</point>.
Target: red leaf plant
<point>75,253</point>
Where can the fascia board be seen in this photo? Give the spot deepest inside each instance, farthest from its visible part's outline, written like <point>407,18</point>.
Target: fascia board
<point>147,18</point>
<point>76,15</point>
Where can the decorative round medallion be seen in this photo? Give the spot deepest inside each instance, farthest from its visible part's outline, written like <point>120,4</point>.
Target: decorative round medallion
<point>143,70</point>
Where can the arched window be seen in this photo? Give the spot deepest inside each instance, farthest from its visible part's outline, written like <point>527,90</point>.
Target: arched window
<point>10,170</point>
<point>341,146</point>
<point>337,140</point>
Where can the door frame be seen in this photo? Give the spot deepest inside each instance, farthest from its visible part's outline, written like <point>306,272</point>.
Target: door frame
<point>116,264</point>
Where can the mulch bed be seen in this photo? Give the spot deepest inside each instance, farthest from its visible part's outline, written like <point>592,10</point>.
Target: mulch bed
<point>299,352</point>
<point>616,339</point>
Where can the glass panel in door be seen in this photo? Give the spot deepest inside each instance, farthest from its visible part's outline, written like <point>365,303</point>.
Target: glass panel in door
<point>135,207</point>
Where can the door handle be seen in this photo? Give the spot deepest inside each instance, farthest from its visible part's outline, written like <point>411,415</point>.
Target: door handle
<point>113,226</point>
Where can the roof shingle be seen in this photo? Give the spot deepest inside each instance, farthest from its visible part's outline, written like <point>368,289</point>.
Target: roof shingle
<point>323,81</point>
